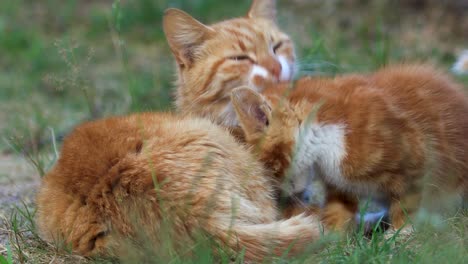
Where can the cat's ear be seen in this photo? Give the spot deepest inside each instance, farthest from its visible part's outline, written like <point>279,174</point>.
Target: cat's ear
<point>252,110</point>
<point>263,8</point>
<point>184,34</point>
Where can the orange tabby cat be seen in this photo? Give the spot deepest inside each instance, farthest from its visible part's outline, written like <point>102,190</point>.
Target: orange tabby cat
<point>121,179</point>
<point>400,133</point>
<point>212,60</point>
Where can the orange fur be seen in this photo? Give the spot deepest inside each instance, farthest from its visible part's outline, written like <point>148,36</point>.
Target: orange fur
<point>404,138</point>
<point>135,177</point>
<point>212,60</point>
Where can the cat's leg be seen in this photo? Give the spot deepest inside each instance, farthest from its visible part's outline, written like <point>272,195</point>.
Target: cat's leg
<point>397,214</point>
<point>402,208</point>
<point>399,224</point>
<point>339,209</point>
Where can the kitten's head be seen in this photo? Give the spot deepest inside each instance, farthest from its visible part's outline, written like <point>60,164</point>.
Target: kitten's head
<point>270,128</point>
<point>214,59</point>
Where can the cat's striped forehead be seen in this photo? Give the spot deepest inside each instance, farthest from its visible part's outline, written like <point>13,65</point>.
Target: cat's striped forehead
<point>249,33</point>
<point>214,59</point>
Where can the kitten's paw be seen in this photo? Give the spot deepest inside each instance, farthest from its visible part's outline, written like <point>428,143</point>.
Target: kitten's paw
<point>337,217</point>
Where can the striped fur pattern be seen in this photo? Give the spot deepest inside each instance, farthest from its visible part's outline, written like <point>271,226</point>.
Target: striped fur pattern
<point>399,134</point>
<point>214,59</point>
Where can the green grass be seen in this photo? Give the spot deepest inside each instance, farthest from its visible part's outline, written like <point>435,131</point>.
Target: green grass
<point>63,62</point>
<point>443,244</point>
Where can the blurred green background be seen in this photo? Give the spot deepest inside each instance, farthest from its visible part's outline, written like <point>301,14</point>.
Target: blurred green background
<point>62,62</point>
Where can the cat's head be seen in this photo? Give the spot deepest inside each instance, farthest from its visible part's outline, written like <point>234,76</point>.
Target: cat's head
<point>214,59</point>
<point>270,125</point>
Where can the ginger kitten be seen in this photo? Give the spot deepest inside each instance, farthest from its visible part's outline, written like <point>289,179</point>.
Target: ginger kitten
<point>214,59</point>
<point>135,177</point>
<point>400,134</point>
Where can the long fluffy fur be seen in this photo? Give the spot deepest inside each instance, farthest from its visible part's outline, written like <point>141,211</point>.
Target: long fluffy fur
<point>133,178</point>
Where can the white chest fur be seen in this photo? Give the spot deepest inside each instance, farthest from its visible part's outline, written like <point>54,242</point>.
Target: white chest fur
<point>319,144</point>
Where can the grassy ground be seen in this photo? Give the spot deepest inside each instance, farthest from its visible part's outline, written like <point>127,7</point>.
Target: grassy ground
<point>63,62</point>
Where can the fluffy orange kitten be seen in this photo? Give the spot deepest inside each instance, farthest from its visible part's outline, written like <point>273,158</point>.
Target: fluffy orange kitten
<point>212,60</point>
<point>400,134</point>
<point>130,179</point>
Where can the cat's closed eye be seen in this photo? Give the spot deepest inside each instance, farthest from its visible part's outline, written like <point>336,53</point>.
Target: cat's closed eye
<point>241,58</point>
<point>277,46</point>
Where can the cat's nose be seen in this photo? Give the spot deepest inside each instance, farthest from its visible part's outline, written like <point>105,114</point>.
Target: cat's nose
<point>273,66</point>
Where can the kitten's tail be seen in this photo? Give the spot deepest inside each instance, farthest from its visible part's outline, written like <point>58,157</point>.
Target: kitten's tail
<point>285,237</point>
<point>461,65</point>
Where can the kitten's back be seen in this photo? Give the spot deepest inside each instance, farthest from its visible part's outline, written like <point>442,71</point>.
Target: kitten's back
<point>417,111</point>
<point>438,107</point>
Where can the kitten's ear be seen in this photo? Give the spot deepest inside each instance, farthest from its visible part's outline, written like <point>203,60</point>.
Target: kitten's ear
<point>252,110</point>
<point>184,34</point>
<point>263,8</point>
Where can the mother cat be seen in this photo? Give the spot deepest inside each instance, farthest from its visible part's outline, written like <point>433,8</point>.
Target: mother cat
<point>212,60</point>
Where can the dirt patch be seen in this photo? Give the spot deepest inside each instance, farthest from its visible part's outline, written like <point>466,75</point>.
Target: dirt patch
<point>18,185</point>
